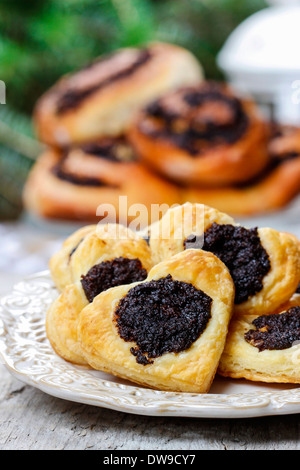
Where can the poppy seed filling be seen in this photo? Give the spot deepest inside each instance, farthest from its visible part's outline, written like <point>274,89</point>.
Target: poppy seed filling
<point>275,331</point>
<point>193,136</point>
<point>60,172</point>
<point>162,316</point>
<point>112,273</point>
<point>72,97</point>
<point>240,249</point>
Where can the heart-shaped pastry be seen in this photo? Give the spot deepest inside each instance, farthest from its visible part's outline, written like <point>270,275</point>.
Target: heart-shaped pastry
<point>264,348</point>
<point>166,332</point>
<point>264,263</point>
<point>102,260</point>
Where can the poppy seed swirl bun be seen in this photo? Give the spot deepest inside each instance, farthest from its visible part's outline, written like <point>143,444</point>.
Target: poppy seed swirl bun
<point>202,134</point>
<point>71,184</point>
<point>100,99</point>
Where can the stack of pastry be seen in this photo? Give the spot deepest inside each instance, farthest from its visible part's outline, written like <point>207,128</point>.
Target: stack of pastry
<point>195,294</point>
<point>143,123</point>
<point>219,149</point>
<point>84,118</point>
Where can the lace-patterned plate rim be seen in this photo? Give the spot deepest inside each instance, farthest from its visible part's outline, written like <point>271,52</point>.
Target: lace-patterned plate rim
<point>27,354</point>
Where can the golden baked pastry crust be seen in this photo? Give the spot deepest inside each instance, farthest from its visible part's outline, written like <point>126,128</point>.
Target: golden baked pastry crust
<point>92,244</point>
<point>279,283</point>
<point>59,263</point>
<point>168,234</point>
<point>190,370</point>
<point>242,360</point>
<point>105,243</point>
<point>165,135</point>
<point>270,191</point>
<point>61,323</point>
<point>100,99</point>
<point>47,195</point>
<point>268,194</point>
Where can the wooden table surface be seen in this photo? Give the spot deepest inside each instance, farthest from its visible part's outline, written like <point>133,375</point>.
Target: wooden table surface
<point>33,420</point>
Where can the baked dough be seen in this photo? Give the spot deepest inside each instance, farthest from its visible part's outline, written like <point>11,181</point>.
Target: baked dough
<point>271,193</point>
<point>101,99</point>
<point>107,256</point>
<point>283,278</point>
<point>202,135</point>
<point>187,370</point>
<point>166,236</point>
<point>276,187</point>
<point>242,359</point>
<point>61,323</point>
<point>106,242</point>
<point>72,185</point>
<point>277,254</point>
<point>69,263</point>
<point>59,263</point>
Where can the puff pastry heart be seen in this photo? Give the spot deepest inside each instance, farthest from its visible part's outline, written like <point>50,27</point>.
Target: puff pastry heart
<point>102,260</point>
<point>264,263</point>
<point>264,348</point>
<point>166,332</point>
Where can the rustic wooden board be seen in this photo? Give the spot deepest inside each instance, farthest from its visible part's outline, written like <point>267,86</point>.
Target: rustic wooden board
<point>33,420</point>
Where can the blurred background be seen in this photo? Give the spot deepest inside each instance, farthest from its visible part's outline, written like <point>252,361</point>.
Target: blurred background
<point>41,40</point>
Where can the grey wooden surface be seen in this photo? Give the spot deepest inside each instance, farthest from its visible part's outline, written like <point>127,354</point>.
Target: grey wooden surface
<point>33,420</point>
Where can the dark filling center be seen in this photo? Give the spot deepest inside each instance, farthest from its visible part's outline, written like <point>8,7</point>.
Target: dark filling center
<point>162,316</point>
<point>201,130</point>
<point>193,241</point>
<point>112,273</point>
<point>115,150</point>
<point>60,172</point>
<point>241,251</point>
<point>72,98</point>
<point>275,331</point>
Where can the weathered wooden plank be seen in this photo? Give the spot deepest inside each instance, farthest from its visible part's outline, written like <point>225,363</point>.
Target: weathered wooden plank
<point>31,420</point>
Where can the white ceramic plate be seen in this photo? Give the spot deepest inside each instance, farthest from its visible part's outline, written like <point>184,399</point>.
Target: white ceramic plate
<point>27,354</point>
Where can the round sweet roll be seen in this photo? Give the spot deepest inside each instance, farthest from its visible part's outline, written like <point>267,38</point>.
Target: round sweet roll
<point>202,134</point>
<point>101,98</point>
<point>274,188</point>
<point>73,183</point>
